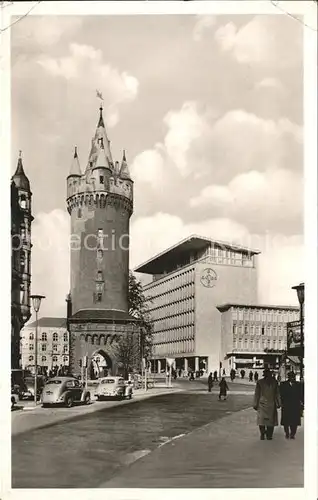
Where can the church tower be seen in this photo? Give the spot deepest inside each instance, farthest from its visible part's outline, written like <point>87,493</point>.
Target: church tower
<point>21,219</point>
<point>100,204</point>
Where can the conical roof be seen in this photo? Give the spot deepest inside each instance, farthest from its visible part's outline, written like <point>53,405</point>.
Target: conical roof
<point>19,178</point>
<point>124,170</point>
<point>75,167</point>
<point>101,161</point>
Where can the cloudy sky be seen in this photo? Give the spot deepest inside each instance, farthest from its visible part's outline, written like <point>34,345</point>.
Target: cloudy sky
<point>209,110</point>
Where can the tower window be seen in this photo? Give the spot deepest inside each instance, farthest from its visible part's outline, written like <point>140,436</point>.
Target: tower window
<point>44,337</point>
<point>100,254</point>
<point>99,276</point>
<point>55,337</point>
<point>23,201</point>
<point>101,179</point>
<point>98,297</point>
<point>79,213</point>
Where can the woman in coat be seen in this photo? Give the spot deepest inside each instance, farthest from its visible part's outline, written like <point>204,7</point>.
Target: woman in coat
<point>266,403</point>
<point>223,388</point>
<point>292,397</point>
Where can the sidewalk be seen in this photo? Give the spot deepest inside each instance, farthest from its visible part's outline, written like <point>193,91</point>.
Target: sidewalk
<point>35,418</point>
<point>223,454</point>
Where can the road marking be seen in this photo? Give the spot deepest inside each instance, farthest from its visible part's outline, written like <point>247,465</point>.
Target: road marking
<point>168,440</point>
<point>130,458</point>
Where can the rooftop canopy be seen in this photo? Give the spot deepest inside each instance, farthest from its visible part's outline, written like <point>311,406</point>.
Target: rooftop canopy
<point>178,253</point>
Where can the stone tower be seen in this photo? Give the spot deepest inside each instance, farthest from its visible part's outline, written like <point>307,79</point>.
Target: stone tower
<point>21,219</point>
<point>100,203</point>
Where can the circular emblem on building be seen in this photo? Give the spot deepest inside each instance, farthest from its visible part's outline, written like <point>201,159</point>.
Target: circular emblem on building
<point>208,278</point>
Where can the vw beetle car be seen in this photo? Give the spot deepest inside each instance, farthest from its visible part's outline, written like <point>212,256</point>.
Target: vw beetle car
<point>64,391</point>
<point>112,387</point>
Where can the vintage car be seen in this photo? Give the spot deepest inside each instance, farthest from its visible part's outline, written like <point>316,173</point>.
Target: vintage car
<point>64,391</point>
<point>28,393</point>
<point>113,387</point>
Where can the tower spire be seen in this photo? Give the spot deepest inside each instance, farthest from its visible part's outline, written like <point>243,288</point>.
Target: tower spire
<point>124,170</point>
<point>19,177</point>
<point>101,119</point>
<point>75,167</point>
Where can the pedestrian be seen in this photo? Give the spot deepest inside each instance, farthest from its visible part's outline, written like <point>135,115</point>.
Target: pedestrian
<point>232,374</point>
<point>215,376</point>
<point>223,373</point>
<point>210,382</point>
<point>175,374</point>
<point>250,376</point>
<point>292,399</point>
<point>180,372</point>
<point>255,376</point>
<point>242,373</point>
<point>266,403</point>
<point>223,389</point>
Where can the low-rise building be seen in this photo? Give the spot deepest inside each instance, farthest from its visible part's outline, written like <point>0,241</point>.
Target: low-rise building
<point>53,344</point>
<point>254,335</point>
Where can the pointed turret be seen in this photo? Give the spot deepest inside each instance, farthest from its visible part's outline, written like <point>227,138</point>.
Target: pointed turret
<point>101,161</point>
<point>124,170</point>
<point>99,134</point>
<point>19,178</point>
<point>75,167</point>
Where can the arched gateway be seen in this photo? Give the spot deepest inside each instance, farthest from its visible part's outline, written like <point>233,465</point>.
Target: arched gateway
<point>100,203</point>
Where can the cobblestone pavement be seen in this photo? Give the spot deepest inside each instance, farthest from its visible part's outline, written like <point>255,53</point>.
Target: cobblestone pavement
<point>91,449</point>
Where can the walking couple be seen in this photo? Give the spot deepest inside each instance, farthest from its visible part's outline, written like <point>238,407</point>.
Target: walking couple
<point>269,397</point>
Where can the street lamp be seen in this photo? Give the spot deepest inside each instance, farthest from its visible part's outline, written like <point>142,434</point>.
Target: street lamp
<point>300,289</point>
<point>36,303</point>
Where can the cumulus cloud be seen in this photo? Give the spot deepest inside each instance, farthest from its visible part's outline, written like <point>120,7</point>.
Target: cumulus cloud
<point>83,65</point>
<point>202,24</point>
<point>259,42</point>
<point>148,167</point>
<point>275,196</point>
<point>196,143</point>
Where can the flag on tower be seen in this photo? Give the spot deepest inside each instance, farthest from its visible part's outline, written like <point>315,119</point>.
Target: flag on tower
<point>99,95</point>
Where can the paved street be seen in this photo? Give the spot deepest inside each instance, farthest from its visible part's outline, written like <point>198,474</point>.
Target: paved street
<point>91,449</point>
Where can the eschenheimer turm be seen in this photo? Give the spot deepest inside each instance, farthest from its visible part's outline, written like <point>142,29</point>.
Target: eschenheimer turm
<point>100,203</point>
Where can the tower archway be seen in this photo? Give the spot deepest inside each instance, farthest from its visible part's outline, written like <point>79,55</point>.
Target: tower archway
<point>101,364</point>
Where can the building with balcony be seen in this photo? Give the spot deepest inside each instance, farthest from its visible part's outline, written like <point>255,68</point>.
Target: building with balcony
<point>185,285</point>
<point>254,335</point>
<point>53,344</point>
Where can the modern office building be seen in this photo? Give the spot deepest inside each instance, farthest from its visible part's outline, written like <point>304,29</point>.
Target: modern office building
<point>254,335</point>
<point>21,219</point>
<point>187,283</point>
<point>53,344</point>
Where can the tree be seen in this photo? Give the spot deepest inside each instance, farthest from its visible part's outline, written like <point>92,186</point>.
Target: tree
<point>136,345</point>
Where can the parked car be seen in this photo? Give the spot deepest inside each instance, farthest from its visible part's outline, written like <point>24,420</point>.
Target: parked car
<point>28,393</point>
<point>112,387</point>
<point>64,391</point>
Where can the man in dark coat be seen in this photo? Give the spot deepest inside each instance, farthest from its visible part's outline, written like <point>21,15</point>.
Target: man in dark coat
<point>292,398</point>
<point>210,382</point>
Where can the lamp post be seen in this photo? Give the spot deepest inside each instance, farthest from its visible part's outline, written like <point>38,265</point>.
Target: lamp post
<point>36,302</point>
<point>300,289</point>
